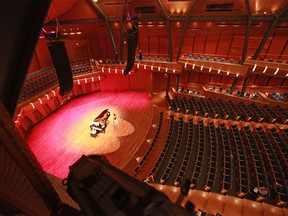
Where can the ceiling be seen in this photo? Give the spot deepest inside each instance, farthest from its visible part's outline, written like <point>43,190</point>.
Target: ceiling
<point>175,23</point>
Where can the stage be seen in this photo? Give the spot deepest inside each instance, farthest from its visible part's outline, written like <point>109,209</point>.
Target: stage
<point>61,138</point>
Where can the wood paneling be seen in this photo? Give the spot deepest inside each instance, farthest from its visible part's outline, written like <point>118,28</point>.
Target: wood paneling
<point>261,80</point>
<point>211,44</point>
<point>223,47</point>
<point>199,45</point>
<point>276,47</point>
<point>275,81</point>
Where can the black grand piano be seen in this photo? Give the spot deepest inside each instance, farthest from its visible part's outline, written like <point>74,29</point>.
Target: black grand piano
<point>99,123</point>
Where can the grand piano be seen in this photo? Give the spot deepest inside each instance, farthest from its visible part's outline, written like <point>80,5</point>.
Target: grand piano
<point>99,123</point>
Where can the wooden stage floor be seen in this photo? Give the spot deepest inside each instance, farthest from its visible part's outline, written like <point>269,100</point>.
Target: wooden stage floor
<point>64,136</point>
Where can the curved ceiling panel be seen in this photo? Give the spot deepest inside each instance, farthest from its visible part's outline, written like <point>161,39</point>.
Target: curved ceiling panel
<point>57,8</point>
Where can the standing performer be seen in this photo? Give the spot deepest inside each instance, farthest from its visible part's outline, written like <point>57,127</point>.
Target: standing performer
<point>115,121</point>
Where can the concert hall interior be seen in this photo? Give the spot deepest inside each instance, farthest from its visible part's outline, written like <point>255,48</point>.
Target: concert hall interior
<point>180,95</point>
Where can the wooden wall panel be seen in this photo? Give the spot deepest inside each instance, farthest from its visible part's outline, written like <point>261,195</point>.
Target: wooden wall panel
<point>95,49</point>
<point>159,81</point>
<point>276,47</point>
<point>199,45</point>
<point>115,82</point>
<point>176,35</point>
<point>163,43</point>
<point>187,47</point>
<point>203,78</point>
<point>211,45</point>
<point>227,80</point>
<point>194,77</point>
<point>141,80</point>
<point>253,44</point>
<point>143,39</point>
<point>236,48</point>
<point>110,49</point>
<point>153,46</point>
<point>251,79</point>
<point>102,48</point>
<point>215,78</point>
<point>240,82</point>
<point>285,84</point>
<point>183,78</point>
<point>263,52</point>
<point>285,54</point>
<point>275,81</point>
<point>223,46</point>
<point>78,49</point>
<point>116,34</point>
<point>261,80</point>
<point>43,54</point>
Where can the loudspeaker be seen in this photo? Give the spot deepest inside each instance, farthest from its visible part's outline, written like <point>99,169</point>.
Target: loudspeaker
<point>61,63</point>
<point>132,40</point>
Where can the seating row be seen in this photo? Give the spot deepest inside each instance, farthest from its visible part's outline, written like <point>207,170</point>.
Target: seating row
<point>236,156</point>
<point>240,154</point>
<point>228,110</point>
<point>149,151</point>
<point>175,153</point>
<point>275,173</point>
<point>199,157</point>
<point>227,161</point>
<point>187,155</point>
<point>212,164</point>
<point>164,149</point>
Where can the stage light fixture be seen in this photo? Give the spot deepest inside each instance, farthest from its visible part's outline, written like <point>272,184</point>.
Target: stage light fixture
<point>276,71</point>
<point>265,69</point>
<point>47,96</point>
<point>33,106</point>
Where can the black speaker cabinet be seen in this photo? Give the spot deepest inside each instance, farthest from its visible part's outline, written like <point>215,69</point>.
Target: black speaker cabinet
<point>61,63</point>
